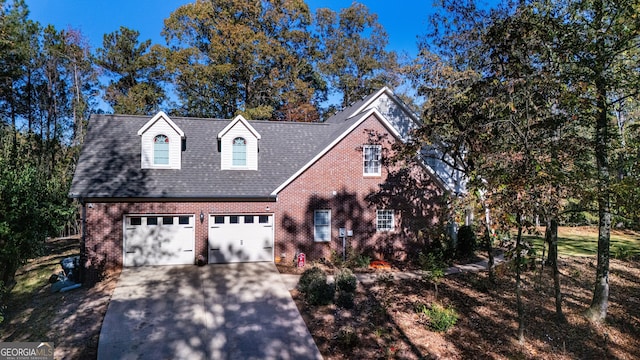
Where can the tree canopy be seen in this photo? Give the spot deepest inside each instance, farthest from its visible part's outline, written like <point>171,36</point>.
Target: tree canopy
<point>254,58</point>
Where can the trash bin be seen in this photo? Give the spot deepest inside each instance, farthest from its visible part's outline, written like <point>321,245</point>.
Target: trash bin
<point>71,268</point>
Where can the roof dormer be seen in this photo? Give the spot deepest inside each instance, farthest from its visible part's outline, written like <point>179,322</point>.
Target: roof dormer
<point>239,145</point>
<point>161,143</point>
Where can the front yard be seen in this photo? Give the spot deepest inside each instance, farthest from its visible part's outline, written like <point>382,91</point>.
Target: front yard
<point>387,320</point>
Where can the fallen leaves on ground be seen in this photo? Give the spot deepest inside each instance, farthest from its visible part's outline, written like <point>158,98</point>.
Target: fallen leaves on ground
<point>389,327</point>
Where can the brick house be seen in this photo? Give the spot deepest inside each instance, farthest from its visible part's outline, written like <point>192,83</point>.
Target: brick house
<point>169,190</point>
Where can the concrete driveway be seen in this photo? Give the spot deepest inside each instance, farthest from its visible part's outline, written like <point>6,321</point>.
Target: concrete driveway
<point>232,311</point>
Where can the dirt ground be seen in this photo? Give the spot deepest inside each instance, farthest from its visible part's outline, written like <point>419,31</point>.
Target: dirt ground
<point>389,327</point>
<point>70,320</point>
<point>384,319</point>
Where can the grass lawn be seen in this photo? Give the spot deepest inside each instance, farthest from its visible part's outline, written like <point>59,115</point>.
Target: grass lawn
<point>583,241</point>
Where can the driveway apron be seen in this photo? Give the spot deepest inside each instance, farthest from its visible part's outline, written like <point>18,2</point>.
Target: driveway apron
<point>230,311</point>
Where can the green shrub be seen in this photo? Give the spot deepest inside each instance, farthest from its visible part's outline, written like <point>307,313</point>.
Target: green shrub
<point>347,336</point>
<point>440,318</point>
<point>319,292</point>
<point>467,242</point>
<point>336,259</point>
<point>431,261</point>
<point>310,275</point>
<point>345,300</point>
<point>346,284</point>
<point>314,287</point>
<point>361,261</point>
<point>346,281</point>
<point>3,295</point>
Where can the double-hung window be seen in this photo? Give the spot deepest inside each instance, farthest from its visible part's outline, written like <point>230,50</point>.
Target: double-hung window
<point>322,225</point>
<point>161,150</point>
<point>239,152</point>
<point>384,220</point>
<point>371,159</point>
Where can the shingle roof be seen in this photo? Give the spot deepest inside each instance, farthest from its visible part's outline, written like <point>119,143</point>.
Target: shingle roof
<point>109,164</point>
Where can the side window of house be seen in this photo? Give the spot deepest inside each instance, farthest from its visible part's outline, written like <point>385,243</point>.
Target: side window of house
<point>371,159</point>
<point>384,220</point>
<point>322,225</point>
<point>161,150</point>
<point>239,152</point>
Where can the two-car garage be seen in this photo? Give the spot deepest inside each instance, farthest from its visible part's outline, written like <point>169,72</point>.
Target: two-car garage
<point>171,239</point>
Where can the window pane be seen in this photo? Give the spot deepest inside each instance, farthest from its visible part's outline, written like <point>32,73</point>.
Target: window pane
<point>136,221</point>
<point>183,220</point>
<point>233,219</point>
<point>263,219</point>
<point>218,219</point>
<point>322,225</point>
<point>384,220</point>
<point>167,220</point>
<point>323,233</point>
<point>371,159</point>
<point>152,221</point>
<point>161,150</point>
<point>322,217</point>
<point>248,219</point>
<point>239,152</point>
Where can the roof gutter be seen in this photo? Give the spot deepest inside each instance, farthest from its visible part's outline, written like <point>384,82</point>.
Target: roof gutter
<point>190,198</point>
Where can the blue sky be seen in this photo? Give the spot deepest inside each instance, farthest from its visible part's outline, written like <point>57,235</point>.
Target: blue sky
<point>403,20</point>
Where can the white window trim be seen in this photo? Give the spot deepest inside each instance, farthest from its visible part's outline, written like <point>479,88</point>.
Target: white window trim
<point>154,164</point>
<point>246,153</point>
<point>315,234</point>
<point>364,164</point>
<point>379,219</point>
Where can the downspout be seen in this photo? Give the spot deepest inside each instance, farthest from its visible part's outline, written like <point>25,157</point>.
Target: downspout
<point>83,235</point>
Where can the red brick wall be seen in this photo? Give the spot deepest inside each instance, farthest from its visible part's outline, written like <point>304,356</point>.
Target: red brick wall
<point>104,226</point>
<point>334,182</point>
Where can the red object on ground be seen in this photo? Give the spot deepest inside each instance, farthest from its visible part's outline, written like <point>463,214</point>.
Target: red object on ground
<point>380,264</point>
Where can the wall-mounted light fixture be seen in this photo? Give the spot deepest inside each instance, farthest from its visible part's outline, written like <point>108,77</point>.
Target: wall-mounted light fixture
<point>201,217</point>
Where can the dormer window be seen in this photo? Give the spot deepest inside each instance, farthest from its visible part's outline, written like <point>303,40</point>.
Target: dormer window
<point>161,150</point>
<point>161,143</point>
<point>239,152</point>
<point>238,145</point>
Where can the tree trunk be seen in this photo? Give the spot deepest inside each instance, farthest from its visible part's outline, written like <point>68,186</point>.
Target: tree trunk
<point>519,305</point>
<point>598,310</point>
<point>489,245</point>
<point>552,256</point>
<point>553,249</point>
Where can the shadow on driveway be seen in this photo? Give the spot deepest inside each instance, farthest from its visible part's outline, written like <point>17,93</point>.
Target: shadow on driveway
<point>231,311</point>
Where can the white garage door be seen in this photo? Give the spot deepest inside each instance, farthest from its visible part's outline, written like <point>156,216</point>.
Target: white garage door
<point>159,240</point>
<point>240,238</point>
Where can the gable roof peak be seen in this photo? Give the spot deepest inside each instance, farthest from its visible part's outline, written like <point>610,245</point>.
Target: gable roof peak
<point>155,118</point>
<point>233,123</point>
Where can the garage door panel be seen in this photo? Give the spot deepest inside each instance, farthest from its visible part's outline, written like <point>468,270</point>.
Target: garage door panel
<point>159,240</point>
<point>240,238</point>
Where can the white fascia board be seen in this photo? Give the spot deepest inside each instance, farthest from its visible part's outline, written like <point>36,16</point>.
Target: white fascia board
<point>386,90</point>
<point>233,122</point>
<point>435,176</point>
<point>165,117</point>
<point>363,117</point>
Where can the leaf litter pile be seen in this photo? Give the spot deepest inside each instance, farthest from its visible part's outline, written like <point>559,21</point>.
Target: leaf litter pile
<point>386,321</point>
